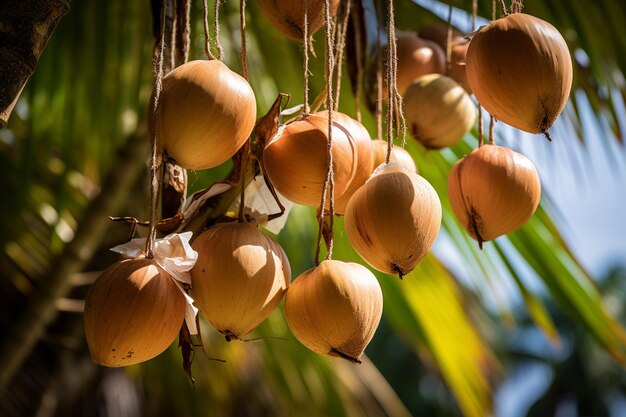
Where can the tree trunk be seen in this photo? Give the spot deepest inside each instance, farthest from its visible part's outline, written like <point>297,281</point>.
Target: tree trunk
<point>25,27</point>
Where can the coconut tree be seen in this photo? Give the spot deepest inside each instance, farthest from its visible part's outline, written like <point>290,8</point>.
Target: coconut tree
<point>75,151</point>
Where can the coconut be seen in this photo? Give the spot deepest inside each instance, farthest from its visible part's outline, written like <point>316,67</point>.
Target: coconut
<point>133,312</point>
<point>520,70</point>
<point>399,156</point>
<point>239,278</point>
<point>206,112</point>
<point>439,34</point>
<point>296,159</point>
<point>365,158</point>
<point>393,220</point>
<point>417,57</point>
<point>334,309</point>
<point>493,191</point>
<point>288,15</point>
<point>438,111</point>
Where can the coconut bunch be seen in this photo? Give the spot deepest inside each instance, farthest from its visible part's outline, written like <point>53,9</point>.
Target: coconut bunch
<point>334,309</point>
<point>288,15</point>
<point>520,70</point>
<point>393,219</point>
<point>437,107</point>
<point>205,114</point>
<point>133,312</point>
<point>240,277</point>
<point>493,191</point>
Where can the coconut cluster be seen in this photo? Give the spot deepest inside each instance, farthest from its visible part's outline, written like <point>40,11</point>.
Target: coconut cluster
<point>437,107</point>
<point>518,67</point>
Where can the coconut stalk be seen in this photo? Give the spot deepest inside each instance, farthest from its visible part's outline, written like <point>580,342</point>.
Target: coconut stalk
<point>25,27</point>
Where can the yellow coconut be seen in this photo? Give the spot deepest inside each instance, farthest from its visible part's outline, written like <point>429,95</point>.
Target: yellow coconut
<point>133,312</point>
<point>493,191</point>
<point>393,220</point>
<point>399,156</point>
<point>520,70</point>
<point>206,112</point>
<point>438,111</point>
<point>417,57</point>
<point>296,159</point>
<point>334,309</point>
<point>239,278</point>
<point>288,15</point>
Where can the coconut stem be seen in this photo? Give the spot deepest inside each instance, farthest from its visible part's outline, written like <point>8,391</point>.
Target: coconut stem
<point>329,182</point>
<point>449,40</point>
<point>492,138</point>
<point>305,41</point>
<point>480,125</point>
<point>503,5</point>
<point>358,42</point>
<point>207,36</point>
<point>474,13</point>
<point>154,166</point>
<point>391,77</point>
<point>340,46</point>
<point>185,23</point>
<point>379,84</point>
<point>246,147</point>
<point>242,31</point>
<point>216,30</point>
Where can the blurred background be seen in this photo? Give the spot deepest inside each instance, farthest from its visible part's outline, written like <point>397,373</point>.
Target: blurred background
<point>529,326</point>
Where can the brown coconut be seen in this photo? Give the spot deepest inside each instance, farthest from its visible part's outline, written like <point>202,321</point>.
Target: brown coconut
<point>438,111</point>
<point>520,70</point>
<point>399,156</point>
<point>393,220</point>
<point>417,57</point>
<point>296,159</point>
<point>239,278</point>
<point>206,112</point>
<point>493,191</point>
<point>438,33</point>
<point>288,15</point>
<point>365,158</point>
<point>334,309</point>
<point>133,312</point>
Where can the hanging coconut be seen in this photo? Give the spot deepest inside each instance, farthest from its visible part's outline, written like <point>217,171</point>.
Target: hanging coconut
<point>365,157</point>
<point>334,309</point>
<point>239,278</point>
<point>520,70</point>
<point>133,312</point>
<point>393,220</point>
<point>288,15</point>
<point>206,112</point>
<point>417,57</point>
<point>296,159</point>
<point>399,156</point>
<point>438,111</point>
<point>493,191</point>
<point>439,34</point>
